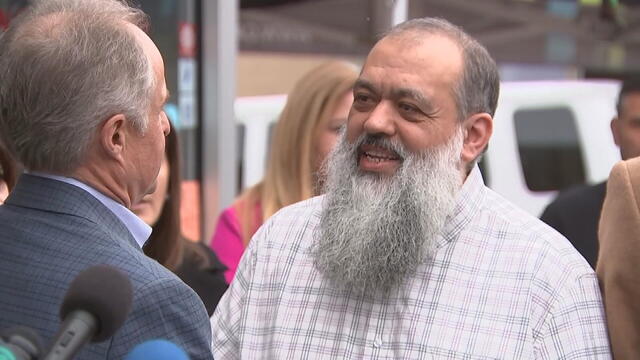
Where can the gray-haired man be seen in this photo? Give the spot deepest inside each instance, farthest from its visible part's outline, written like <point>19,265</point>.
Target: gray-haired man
<point>82,90</point>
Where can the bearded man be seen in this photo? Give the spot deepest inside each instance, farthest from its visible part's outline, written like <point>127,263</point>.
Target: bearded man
<point>409,255</point>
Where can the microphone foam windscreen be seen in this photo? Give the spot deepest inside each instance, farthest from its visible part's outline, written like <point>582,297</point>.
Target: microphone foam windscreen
<point>103,291</point>
<point>157,350</point>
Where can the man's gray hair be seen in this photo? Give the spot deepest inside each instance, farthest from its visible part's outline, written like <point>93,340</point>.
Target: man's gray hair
<point>479,85</point>
<point>65,67</point>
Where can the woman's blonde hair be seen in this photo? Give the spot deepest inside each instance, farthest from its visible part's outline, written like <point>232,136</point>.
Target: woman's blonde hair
<point>289,176</point>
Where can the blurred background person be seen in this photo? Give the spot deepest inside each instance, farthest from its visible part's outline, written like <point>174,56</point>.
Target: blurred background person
<point>305,133</point>
<point>575,212</point>
<point>192,261</point>
<point>618,271</point>
<point>8,173</point>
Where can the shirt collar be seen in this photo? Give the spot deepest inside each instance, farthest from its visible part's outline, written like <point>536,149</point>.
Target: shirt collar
<point>469,201</point>
<point>138,228</point>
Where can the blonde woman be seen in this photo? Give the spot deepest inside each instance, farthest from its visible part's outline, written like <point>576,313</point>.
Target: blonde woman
<point>305,133</point>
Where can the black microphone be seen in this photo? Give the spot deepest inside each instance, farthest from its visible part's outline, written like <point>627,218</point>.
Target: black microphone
<point>20,343</point>
<point>95,306</point>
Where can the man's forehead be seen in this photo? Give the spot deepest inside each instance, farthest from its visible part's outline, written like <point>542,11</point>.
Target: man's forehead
<point>424,43</point>
<point>434,52</point>
<point>394,65</point>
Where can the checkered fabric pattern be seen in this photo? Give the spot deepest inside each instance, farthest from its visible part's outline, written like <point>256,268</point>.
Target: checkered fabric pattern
<point>502,286</point>
<point>49,232</point>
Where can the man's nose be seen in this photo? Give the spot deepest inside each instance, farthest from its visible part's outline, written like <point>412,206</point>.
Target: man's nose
<point>381,120</point>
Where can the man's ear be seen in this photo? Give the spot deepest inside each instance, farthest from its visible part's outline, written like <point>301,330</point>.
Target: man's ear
<point>477,132</point>
<point>615,130</point>
<point>113,136</point>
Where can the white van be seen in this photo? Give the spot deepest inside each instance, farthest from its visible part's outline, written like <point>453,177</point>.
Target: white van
<point>547,135</point>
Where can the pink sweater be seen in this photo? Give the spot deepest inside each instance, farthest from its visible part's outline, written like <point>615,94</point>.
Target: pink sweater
<point>227,242</point>
<point>227,239</point>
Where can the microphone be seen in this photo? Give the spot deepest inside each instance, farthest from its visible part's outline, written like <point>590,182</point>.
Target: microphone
<point>20,343</point>
<point>157,350</point>
<point>95,306</point>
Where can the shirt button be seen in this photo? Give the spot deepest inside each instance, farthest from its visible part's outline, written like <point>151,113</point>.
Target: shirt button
<point>377,342</point>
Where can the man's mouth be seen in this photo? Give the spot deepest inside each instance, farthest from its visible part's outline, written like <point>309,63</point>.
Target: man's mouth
<point>378,154</point>
<point>375,158</point>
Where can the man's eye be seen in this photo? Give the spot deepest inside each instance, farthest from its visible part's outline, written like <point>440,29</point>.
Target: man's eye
<point>363,102</point>
<point>407,108</point>
<point>362,98</point>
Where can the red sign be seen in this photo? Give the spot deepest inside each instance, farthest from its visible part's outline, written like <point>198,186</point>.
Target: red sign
<point>187,40</point>
<point>4,20</point>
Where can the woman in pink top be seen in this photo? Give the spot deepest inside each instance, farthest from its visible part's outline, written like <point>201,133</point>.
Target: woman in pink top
<point>306,132</point>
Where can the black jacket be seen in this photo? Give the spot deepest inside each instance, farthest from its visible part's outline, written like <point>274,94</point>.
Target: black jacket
<point>575,213</point>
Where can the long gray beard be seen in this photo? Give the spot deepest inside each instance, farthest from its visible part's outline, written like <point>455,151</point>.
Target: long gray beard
<point>375,231</point>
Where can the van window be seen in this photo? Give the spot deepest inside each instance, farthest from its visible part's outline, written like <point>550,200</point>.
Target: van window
<point>549,148</point>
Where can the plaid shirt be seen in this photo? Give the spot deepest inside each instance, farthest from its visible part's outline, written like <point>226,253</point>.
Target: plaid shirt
<point>502,286</point>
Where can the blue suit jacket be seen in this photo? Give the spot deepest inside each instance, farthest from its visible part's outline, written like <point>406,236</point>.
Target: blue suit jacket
<point>49,232</point>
